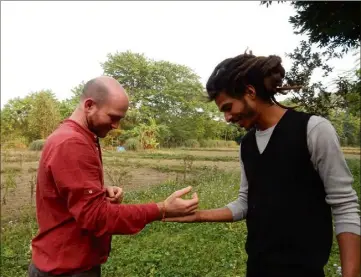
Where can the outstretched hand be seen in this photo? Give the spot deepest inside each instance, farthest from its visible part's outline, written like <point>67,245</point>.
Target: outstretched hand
<point>175,206</point>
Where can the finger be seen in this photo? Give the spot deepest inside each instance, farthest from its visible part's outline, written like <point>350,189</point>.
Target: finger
<point>113,200</point>
<point>192,209</point>
<point>182,192</point>
<point>194,200</point>
<point>110,191</point>
<point>118,193</point>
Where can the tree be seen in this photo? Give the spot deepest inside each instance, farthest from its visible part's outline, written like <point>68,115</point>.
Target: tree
<point>349,87</point>
<point>313,97</point>
<point>67,106</point>
<point>44,116</point>
<point>14,119</point>
<point>347,127</point>
<point>159,89</point>
<point>169,93</point>
<point>330,24</point>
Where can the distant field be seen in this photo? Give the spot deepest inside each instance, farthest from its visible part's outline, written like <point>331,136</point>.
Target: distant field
<point>162,249</point>
<point>135,170</point>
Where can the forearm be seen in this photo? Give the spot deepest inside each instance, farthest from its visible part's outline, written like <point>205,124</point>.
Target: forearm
<point>214,215</point>
<point>349,245</point>
<point>106,218</point>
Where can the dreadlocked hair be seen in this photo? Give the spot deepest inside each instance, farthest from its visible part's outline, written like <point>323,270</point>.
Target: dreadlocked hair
<point>233,75</point>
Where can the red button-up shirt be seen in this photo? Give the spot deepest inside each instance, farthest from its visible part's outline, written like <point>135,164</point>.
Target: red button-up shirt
<point>75,219</point>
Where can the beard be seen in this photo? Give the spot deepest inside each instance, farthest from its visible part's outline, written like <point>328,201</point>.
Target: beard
<point>248,115</point>
<point>100,130</point>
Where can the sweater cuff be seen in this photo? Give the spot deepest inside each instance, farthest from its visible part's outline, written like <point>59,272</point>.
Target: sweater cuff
<point>236,211</point>
<point>347,228</point>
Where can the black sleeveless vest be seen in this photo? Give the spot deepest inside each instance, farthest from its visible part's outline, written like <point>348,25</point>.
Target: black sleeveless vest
<point>289,222</point>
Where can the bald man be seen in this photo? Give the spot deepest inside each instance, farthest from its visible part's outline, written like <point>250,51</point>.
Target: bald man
<point>76,213</point>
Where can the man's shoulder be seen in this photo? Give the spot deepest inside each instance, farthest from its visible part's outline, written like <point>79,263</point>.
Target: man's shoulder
<point>64,134</point>
<point>315,123</point>
<point>318,123</point>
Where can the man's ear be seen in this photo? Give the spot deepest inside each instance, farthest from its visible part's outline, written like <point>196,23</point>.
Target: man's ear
<point>251,92</point>
<point>88,104</point>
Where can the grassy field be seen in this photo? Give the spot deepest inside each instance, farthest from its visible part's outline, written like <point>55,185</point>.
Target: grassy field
<point>161,249</point>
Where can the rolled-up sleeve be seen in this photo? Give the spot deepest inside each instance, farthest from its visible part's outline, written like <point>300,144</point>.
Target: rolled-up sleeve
<point>77,174</point>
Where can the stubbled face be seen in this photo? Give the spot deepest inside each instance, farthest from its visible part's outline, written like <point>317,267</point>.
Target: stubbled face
<point>103,118</point>
<point>242,112</point>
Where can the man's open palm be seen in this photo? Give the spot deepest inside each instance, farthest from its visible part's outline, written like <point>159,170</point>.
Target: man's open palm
<point>176,206</point>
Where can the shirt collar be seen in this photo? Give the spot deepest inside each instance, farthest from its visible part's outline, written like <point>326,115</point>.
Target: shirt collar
<point>86,131</point>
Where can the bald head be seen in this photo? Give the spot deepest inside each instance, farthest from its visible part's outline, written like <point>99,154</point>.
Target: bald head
<point>103,89</point>
<point>104,103</point>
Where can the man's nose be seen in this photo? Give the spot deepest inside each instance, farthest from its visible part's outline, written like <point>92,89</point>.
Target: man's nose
<point>115,125</point>
<point>228,117</point>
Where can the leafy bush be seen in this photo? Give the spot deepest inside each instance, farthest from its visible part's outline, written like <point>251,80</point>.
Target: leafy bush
<point>208,143</point>
<point>37,145</point>
<point>132,144</point>
<point>192,143</point>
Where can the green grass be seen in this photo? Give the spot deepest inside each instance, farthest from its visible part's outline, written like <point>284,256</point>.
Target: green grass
<point>166,249</point>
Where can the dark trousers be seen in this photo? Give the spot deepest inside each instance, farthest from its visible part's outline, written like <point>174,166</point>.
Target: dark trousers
<point>35,272</point>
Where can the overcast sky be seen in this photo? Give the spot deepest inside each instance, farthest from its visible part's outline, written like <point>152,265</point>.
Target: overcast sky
<point>56,45</point>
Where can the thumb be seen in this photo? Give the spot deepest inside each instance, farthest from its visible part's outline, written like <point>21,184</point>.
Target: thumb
<point>118,192</point>
<point>182,192</point>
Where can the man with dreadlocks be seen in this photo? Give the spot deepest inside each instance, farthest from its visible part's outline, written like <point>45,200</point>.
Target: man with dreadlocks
<point>293,177</point>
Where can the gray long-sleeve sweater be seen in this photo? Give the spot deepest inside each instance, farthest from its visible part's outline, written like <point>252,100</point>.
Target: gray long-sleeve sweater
<point>328,159</point>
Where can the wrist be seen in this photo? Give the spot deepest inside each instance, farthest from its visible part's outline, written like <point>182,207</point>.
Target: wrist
<point>198,216</point>
<point>162,210</point>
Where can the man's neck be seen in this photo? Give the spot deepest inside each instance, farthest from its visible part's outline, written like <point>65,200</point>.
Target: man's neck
<point>269,117</point>
<point>79,118</point>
